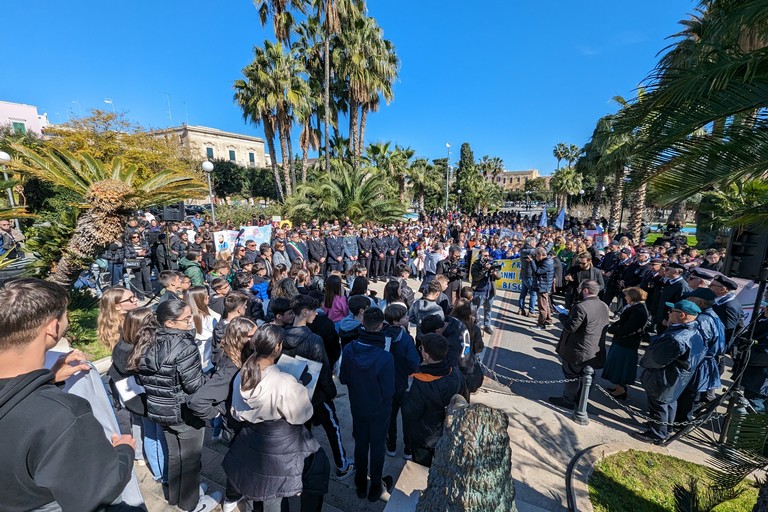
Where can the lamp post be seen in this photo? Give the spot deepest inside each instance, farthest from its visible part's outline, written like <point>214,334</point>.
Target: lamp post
<point>625,180</point>
<point>4,158</point>
<point>458,191</point>
<point>581,193</point>
<point>527,199</point>
<point>208,169</point>
<point>447,173</point>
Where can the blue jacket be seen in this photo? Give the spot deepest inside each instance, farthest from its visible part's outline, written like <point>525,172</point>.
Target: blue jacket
<point>369,372</point>
<point>712,330</point>
<point>403,349</point>
<point>670,361</point>
<point>350,247</point>
<point>545,274</point>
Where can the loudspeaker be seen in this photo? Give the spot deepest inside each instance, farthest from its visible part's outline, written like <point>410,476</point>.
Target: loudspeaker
<point>173,212</point>
<point>747,250</point>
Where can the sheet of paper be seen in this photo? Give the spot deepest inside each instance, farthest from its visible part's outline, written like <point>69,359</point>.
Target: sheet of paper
<point>313,367</point>
<point>128,388</point>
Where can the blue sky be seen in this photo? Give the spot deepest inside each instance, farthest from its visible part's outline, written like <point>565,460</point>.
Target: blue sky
<point>510,77</point>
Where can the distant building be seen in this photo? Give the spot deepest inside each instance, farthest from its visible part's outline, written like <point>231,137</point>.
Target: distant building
<point>515,180</point>
<point>22,118</point>
<point>213,144</point>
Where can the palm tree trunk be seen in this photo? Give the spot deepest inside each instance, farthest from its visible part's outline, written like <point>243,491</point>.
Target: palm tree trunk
<point>327,92</point>
<point>290,161</point>
<point>282,131</point>
<point>637,210</point>
<point>421,200</point>
<point>598,197</point>
<point>353,142</point>
<point>361,138</point>
<point>677,214</point>
<point>304,156</point>
<point>618,192</point>
<point>269,132</point>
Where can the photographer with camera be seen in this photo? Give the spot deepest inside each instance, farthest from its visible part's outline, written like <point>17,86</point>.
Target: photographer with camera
<point>484,272</point>
<point>452,268</point>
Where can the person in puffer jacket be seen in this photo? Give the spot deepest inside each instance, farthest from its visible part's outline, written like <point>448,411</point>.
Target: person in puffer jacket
<point>301,341</point>
<point>431,392</point>
<point>170,371</point>
<point>403,350</point>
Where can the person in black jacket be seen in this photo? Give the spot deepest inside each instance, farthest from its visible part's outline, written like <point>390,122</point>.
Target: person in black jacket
<point>544,270</point>
<point>430,393</point>
<point>55,453</point>
<point>139,324</point>
<point>727,307</point>
<point>317,250</point>
<point>170,371</point>
<point>577,274</point>
<point>451,268</point>
<point>672,289</point>
<point>214,398</point>
<point>301,341</point>
<point>621,362</point>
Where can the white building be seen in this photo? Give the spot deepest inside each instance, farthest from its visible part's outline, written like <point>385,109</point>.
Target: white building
<point>22,118</point>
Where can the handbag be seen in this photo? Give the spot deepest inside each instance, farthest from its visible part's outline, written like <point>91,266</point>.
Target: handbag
<point>132,263</point>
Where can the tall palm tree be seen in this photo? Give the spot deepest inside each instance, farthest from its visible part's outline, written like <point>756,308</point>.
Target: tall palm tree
<point>560,152</point>
<point>280,12</point>
<point>362,194</point>
<point>572,153</point>
<point>275,83</point>
<point>392,163</point>
<point>423,178</point>
<point>565,181</point>
<point>108,191</point>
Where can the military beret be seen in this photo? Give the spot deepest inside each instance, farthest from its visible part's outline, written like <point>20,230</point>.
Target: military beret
<point>725,282</point>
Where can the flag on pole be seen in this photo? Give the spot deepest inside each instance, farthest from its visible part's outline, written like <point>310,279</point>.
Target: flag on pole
<point>543,220</point>
<point>560,221</point>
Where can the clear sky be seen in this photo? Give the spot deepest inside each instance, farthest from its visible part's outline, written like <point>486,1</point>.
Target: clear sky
<point>510,77</point>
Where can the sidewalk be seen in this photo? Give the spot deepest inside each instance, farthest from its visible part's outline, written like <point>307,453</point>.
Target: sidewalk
<point>544,439</point>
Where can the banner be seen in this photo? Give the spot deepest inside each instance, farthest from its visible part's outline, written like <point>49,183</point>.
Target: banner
<point>224,240</point>
<point>259,234</point>
<point>509,276</point>
<point>511,234</point>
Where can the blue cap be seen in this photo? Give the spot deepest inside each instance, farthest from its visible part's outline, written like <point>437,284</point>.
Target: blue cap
<point>686,306</point>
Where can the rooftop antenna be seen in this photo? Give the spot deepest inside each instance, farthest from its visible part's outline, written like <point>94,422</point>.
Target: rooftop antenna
<point>170,115</point>
<point>186,112</point>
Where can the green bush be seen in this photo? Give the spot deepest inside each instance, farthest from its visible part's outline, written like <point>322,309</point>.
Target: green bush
<point>83,317</point>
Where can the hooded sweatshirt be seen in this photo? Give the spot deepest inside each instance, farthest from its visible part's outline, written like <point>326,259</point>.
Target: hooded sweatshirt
<point>369,372</point>
<point>54,449</point>
<point>277,396</point>
<point>349,330</point>
<point>403,350</point>
<point>421,309</point>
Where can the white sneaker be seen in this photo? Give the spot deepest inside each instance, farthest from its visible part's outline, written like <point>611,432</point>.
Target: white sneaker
<point>229,506</point>
<point>209,502</point>
<point>203,489</point>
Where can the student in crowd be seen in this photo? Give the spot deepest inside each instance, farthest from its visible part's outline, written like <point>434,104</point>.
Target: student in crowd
<point>349,327</point>
<point>335,303</point>
<point>263,462</point>
<point>368,370</point>
<point>425,402</point>
<point>204,320</point>
<point>426,306</point>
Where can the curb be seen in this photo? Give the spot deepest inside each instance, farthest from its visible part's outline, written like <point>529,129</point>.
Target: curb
<point>583,464</point>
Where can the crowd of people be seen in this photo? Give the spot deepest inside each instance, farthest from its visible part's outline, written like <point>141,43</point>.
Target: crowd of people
<point>198,335</point>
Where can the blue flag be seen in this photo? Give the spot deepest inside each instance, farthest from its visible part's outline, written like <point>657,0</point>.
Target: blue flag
<point>543,220</point>
<point>560,221</point>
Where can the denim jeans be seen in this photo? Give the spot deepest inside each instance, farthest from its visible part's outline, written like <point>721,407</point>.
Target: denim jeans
<point>155,449</point>
<point>528,288</point>
<point>483,299</point>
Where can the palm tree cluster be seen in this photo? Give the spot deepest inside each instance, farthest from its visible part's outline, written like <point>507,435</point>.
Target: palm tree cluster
<point>339,63</point>
<point>699,123</point>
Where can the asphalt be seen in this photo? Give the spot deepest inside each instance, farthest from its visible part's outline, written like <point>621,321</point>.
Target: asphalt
<point>545,440</point>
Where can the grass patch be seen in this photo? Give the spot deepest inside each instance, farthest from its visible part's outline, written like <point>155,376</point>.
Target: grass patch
<point>83,316</point>
<point>652,237</point>
<point>643,482</point>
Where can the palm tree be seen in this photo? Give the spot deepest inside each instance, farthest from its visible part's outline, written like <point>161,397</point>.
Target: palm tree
<point>393,164</point>
<point>572,153</point>
<point>560,151</point>
<point>424,178</point>
<point>362,194</point>
<point>565,182</point>
<point>282,18</point>
<point>109,192</point>
<point>276,78</point>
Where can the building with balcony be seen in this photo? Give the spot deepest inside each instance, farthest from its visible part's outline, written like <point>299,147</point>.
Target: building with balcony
<point>515,180</point>
<point>22,118</point>
<point>213,144</point>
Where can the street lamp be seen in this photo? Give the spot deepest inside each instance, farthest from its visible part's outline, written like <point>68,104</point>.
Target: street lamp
<point>527,199</point>
<point>4,158</point>
<point>581,193</point>
<point>208,169</point>
<point>626,180</point>
<point>447,173</point>
<point>458,191</point>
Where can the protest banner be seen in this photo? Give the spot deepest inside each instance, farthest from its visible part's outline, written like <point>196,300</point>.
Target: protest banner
<point>259,234</point>
<point>225,240</point>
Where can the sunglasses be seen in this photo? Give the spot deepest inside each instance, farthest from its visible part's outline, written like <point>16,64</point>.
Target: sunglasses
<point>132,298</point>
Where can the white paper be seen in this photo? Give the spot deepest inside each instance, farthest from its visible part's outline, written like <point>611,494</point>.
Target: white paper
<point>313,367</point>
<point>128,388</point>
<point>296,366</point>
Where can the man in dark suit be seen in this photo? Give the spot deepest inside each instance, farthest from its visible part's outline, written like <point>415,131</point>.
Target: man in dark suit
<point>671,291</point>
<point>296,249</point>
<point>365,250</point>
<point>393,249</point>
<point>582,339</point>
<point>380,248</point>
<point>449,267</point>
<point>727,306</point>
<point>317,250</point>
<point>335,248</point>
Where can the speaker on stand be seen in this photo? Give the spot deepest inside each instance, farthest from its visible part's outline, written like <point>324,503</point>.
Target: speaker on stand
<point>173,212</point>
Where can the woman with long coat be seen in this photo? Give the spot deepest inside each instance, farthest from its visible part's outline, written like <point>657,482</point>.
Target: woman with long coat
<point>621,363</point>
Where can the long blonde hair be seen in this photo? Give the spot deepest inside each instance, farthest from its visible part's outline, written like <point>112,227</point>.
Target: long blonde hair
<point>139,331</point>
<point>110,320</point>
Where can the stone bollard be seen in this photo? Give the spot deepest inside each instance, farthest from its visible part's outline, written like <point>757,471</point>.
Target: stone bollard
<point>580,414</point>
<point>472,466</point>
